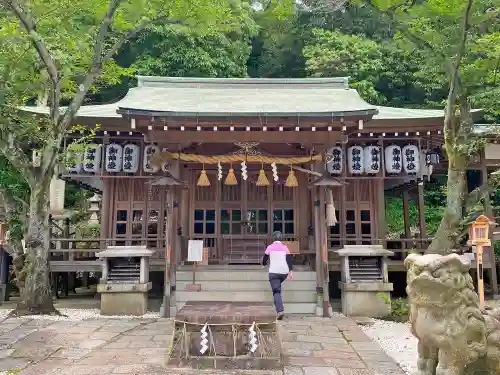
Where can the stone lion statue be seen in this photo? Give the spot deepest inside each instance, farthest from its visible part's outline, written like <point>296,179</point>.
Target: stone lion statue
<point>454,336</point>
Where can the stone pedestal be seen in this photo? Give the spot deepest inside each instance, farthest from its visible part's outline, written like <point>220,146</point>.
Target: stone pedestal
<point>124,299</point>
<point>366,290</point>
<point>124,284</point>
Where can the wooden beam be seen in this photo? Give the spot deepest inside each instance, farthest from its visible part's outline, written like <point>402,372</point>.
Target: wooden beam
<point>175,136</point>
<point>421,211</point>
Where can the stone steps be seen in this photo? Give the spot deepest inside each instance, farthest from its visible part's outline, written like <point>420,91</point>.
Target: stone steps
<point>247,284</point>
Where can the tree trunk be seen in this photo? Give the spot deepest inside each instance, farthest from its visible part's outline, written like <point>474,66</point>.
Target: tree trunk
<point>36,296</point>
<point>449,231</point>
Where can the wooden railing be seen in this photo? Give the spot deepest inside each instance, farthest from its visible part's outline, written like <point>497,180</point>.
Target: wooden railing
<point>86,248</point>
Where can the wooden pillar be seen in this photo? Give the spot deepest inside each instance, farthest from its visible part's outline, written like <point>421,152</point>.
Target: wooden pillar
<point>488,210</point>
<point>421,211</point>
<point>317,245</point>
<point>175,249</point>
<point>406,214</point>
<point>324,252</point>
<point>168,255</point>
<point>380,192</point>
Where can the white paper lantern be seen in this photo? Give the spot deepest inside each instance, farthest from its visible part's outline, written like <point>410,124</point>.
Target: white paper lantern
<point>372,159</point>
<point>355,160</point>
<point>74,162</point>
<point>92,158</point>
<point>149,152</point>
<point>335,160</point>
<point>393,159</point>
<point>165,166</point>
<point>131,158</point>
<point>114,157</point>
<point>411,159</point>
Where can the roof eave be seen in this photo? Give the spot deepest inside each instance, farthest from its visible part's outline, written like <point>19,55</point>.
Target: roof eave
<point>151,113</point>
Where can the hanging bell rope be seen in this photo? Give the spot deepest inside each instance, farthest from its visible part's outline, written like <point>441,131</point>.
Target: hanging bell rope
<point>291,180</point>
<point>163,157</point>
<point>231,178</point>
<point>262,180</point>
<point>331,218</point>
<point>203,180</point>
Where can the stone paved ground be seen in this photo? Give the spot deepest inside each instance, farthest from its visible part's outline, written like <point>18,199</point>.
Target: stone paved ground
<point>312,346</point>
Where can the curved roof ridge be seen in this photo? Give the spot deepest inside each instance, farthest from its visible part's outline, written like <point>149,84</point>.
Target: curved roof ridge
<point>157,81</point>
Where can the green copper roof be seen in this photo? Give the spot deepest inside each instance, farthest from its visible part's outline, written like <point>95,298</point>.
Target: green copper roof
<point>160,96</point>
<point>258,97</point>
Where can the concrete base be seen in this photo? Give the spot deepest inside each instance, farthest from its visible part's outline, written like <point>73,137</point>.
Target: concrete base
<point>124,299</point>
<point>173,310</point>
<point>365,299</point>
<point>319,311</point>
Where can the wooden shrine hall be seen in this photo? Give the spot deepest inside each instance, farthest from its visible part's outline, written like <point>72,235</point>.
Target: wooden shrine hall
<point>230,161</point>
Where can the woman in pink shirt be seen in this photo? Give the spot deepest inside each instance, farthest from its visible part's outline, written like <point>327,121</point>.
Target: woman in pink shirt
<point>280,268</point>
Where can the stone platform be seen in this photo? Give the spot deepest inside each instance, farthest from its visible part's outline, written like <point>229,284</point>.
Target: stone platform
<point>227,325</point>
<point>133,346</point>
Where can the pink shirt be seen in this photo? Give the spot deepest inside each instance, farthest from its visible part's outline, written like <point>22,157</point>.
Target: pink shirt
<point>277,252</point>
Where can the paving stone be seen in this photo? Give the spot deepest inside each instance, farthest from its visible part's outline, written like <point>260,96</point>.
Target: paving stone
<point>103,335</point>
<point>162,338</point>
<point>320,371</point>
<point>72,354</point>
<point>117,345</point>
<point>7,364</point>
<point>365,346</point>
<point>386,368</point>
<point>320,339</point>
<point>128,338</point>
<point>305,362</point>
<point>290,370</point>
<point>47,367</point>
<point>297,352</point>
<point>86,370</point>
<point>301,345</point>
<point>138,369</point>
<point>335,354</point>
<point>348,363</point>
<point>91,344</point>
<point>34,351</point>
<point>344,348</point>
<point>354,371</point>
<point>4,353</point>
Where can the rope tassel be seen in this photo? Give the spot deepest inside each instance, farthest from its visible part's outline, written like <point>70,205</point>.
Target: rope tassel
<point>291,180</point>
<point>231,178</point>
<point>262,180</point>
<point>331,218</point>
<point>203,180</point>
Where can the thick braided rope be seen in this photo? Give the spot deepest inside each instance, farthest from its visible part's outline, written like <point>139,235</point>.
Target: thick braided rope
<point>163,157</point>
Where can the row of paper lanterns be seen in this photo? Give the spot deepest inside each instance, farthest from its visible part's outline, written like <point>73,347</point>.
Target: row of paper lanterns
<point>118,158</point>
<point>368,159</point>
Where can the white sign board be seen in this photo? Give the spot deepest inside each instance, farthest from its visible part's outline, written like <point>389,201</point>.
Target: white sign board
<point>195,251</point>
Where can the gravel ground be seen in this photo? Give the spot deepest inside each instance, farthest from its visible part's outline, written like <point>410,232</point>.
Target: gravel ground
<point>80,314</point>
<point>396,340</point>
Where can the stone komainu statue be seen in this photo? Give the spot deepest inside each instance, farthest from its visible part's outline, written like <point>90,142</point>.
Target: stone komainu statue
<point>454,336</point>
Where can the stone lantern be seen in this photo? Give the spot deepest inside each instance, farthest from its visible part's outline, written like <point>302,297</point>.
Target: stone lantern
<point>94,209</point>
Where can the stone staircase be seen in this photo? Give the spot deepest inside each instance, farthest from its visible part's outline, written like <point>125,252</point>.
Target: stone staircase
<point>247,284</point>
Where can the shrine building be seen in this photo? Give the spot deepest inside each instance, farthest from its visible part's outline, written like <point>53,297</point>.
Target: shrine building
<point>230,161</point>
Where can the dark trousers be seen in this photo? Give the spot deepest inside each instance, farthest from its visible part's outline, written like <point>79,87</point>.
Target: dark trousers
<point>275,279</point>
